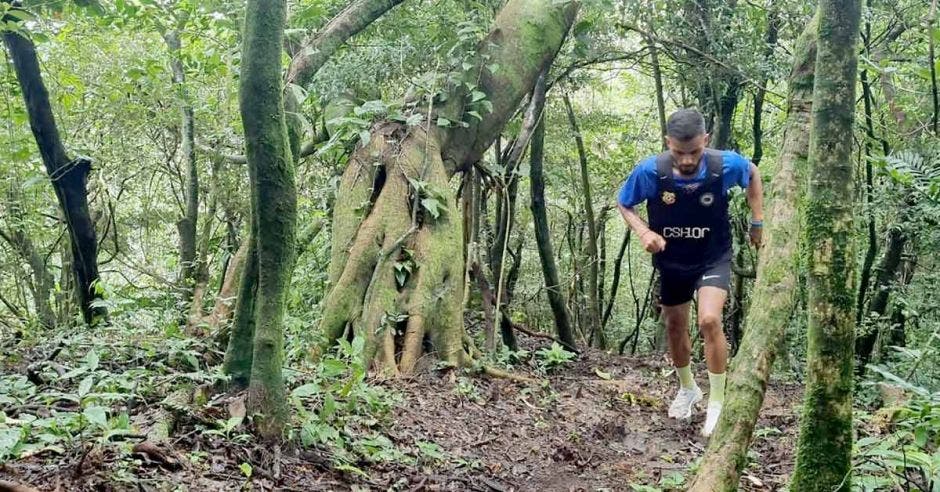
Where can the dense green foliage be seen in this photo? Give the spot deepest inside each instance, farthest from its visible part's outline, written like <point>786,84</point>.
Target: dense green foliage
<point>109,73</point>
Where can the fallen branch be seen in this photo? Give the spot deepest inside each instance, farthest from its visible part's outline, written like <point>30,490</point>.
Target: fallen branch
<point>6,486</point>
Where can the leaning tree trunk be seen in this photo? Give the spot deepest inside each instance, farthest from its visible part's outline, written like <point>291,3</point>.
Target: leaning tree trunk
<point>394,206</point>
<point>774,296</point>
<point>69,176</point>
<point>824,449</point>
<point>273,205</point>
<point>543,239</point>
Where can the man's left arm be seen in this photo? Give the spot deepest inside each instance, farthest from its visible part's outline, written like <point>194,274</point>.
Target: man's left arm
<point>755,200</point>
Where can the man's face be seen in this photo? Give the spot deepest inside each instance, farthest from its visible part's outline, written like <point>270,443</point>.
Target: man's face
<point>687,153</point>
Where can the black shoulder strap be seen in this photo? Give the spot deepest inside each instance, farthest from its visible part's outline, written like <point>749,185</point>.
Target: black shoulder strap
<point>714,161</point>
<point>664,179</point>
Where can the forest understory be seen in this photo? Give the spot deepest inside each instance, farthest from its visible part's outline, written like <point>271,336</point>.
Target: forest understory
<point>595,423</point>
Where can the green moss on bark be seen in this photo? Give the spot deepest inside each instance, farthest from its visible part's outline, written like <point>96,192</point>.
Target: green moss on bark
<point>825,442</point>
<point>273,203</point>
<point>775,290</point>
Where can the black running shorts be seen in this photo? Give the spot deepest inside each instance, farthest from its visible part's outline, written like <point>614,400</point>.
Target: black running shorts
<point>678,286</point>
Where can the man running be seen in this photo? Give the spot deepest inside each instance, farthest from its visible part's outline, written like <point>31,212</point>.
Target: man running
<point>689,235</point>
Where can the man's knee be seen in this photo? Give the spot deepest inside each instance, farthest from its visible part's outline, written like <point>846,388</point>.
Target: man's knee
<point>710,325</point>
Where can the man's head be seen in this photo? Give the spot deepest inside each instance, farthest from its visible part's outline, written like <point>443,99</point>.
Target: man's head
<point>686,139</point>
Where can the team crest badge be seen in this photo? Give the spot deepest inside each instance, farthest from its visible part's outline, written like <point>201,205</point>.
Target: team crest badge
<point>669,197</point>
<point>707,199</point>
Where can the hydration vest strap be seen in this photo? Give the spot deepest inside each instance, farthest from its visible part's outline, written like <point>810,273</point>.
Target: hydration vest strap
<point>664,180</point>
<point>714,161</point>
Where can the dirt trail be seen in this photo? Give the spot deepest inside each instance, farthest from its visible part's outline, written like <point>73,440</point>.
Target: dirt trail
<point>599,423</point>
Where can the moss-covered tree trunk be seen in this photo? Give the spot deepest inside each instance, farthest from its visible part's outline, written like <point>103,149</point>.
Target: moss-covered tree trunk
<point>774,296</point>
<point>273,205</point>
<point>69,176</point>
<point>824,448</point>
<point>383,215</point>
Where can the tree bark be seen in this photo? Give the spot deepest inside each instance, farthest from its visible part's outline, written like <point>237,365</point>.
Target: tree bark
<point>543,239</point>
<point>273,204</point>
<point>658,83</point>
<point>42,283</point>
<point>774,296</point>
<point>69,176</point>
<point>383,213</point>
<point>188,223</point>
<point>885,274</point>
<point>593,310</point>
<point>824,448</point>
<point>770,40</point>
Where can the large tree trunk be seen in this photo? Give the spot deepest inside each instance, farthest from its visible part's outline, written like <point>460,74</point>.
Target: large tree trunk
<point>68,175</point>
<point>274,211</point>
<point>824,449</point>
<point>394,205</point>
<point>774,296</point>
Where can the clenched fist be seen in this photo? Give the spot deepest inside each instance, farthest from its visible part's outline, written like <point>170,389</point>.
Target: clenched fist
<point>652,242</point>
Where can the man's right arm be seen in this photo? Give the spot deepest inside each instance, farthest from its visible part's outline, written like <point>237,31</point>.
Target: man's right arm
<point>651,241</point>
<point>640,187</point>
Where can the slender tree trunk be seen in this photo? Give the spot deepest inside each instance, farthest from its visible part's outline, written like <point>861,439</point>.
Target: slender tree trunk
<point>187,225</point>
<point>775,290</point>
<point>615,283</point>
<point>42,284</point>
<point>885,275</point>
<point>932,63</point>
<point>658,82</point>
<point>727,103</point>
<point>593,310</point>
<point>225,300</point>
<point>543,239</point>
<point>274,206</point>
<point>770,40</point>
<point>418,161</point>
<point>69,176</point>
<point>872,249</point>
<point>824,447</point>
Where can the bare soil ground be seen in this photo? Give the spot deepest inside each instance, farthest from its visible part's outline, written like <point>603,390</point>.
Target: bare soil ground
<point>598,423</point>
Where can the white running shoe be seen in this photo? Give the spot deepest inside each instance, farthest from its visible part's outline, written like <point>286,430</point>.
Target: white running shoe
<point>681,407</point>
<point>711,418</point>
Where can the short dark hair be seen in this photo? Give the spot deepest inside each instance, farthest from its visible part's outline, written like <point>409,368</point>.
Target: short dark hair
<point>685,124</point>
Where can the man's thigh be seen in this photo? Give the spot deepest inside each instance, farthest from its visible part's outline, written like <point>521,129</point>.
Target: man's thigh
<point>676,288</point>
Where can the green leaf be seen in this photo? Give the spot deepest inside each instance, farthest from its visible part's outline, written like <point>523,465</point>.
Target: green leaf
<point>329,407</point>
<point>414,119</point>
<point>85,386</point>
<point>431,205</point>
<point>442,121</point>
<point>96,415</point>
<point>475,115</point>
<point>306,390</point>
<point>364,137</point>
<point>477,96</point>
<point>246,469</point>
<point>91,360</point>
